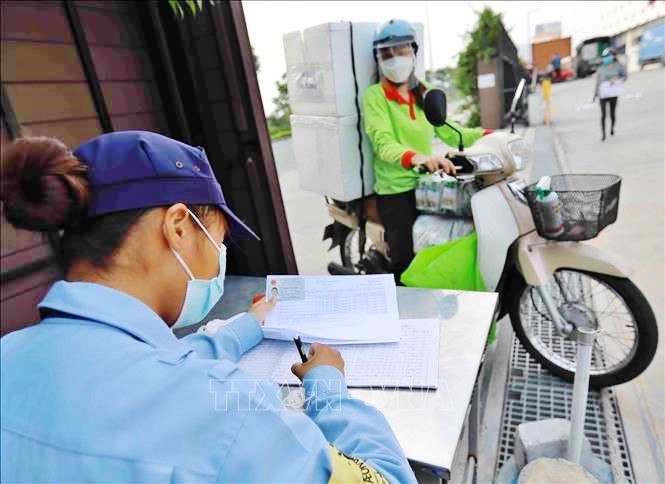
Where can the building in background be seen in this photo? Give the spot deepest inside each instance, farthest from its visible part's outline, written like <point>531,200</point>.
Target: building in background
<point>545,43</point>
<point>626,21</point>
<point>547,32</point>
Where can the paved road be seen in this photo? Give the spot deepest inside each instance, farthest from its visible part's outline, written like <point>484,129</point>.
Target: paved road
<point>306,214</point>
<point>637,153</point>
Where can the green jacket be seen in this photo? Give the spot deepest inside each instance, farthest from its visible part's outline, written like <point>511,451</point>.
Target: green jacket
<point>398,130</point>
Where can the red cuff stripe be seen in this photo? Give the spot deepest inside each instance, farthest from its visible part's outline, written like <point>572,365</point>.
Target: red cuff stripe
<point>488,131</point>
<point>406,159</point>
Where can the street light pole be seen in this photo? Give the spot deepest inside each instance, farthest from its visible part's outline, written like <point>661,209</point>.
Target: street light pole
<point>528,36</point>
<point>429,44</point>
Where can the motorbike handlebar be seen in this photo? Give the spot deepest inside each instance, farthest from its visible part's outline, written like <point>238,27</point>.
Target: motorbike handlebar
<point>462,166</point>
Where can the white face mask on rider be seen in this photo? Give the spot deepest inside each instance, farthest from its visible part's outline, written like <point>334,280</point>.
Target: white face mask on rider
<point>397,69</point>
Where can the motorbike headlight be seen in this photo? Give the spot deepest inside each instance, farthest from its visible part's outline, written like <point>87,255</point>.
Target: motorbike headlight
<point>521,153</point>
<point>488,163</point>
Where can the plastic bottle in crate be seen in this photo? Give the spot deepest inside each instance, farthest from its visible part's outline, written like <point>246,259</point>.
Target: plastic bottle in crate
<point>449,195</point>
<point>549,207</point>
<point>421,192</point>
<point>435,186</point>
<point>466,188</point>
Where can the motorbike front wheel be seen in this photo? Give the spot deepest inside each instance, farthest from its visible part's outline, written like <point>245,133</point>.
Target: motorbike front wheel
<point>628,334</point>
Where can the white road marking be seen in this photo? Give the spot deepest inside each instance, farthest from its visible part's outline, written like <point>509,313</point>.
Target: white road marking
<point>584,107</point>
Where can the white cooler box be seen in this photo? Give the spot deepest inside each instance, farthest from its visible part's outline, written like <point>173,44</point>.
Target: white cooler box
<point>319,71</point>
<point>327,156</point>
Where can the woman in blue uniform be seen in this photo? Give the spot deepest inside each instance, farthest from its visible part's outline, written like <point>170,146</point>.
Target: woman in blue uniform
<point>101,389</point>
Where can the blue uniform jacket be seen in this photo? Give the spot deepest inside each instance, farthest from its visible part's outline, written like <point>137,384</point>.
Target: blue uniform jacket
<point>106,392</point>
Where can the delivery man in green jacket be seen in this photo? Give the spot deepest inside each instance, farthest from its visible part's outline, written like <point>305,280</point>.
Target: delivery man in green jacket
<point>401,136</point>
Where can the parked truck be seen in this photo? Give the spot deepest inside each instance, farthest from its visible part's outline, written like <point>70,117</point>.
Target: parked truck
<point>652,45</point>
<point>587,56</point>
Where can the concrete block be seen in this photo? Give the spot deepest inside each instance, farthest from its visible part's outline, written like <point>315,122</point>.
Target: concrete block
<point>549,438</point>
<point>544,438</point>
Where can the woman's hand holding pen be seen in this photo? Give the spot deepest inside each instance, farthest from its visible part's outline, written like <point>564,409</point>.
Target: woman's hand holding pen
<point>434,162</point>
<point>319,355</point>
<point>261,308</point>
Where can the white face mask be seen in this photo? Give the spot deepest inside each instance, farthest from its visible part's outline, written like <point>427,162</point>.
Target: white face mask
<point>397,69</point>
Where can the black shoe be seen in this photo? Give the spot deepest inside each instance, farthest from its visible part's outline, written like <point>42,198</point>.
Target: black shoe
<point>612,132</point>
<point>603,138</point>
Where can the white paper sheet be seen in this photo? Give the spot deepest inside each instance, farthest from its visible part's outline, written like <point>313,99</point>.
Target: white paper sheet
<point>333,309</point>
<point>610,88</point>
<point>413,362</point>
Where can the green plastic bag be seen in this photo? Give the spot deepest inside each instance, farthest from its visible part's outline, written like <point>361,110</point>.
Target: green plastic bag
<point>453,265</point>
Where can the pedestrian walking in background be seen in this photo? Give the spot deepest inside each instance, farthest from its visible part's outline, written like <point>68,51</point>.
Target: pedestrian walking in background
<point>609,79</point>
<point>556,65</point>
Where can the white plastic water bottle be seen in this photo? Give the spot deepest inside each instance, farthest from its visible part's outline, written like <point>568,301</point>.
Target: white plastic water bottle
<point>549,206</point>
<point>449,194</point>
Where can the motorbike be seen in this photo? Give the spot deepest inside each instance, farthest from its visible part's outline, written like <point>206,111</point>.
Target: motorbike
<point>549,284</point>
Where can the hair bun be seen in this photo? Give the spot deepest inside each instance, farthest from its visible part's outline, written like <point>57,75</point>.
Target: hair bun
<point>43,186</point>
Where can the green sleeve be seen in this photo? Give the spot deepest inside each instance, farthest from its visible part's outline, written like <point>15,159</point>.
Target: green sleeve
<point>379,127</point>
<point>451,138</point>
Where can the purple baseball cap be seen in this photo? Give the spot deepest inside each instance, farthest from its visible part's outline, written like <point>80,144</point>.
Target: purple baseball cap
<point>140,169</point>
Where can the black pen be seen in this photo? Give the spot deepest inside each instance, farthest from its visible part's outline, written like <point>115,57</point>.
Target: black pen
<point>298,343</point>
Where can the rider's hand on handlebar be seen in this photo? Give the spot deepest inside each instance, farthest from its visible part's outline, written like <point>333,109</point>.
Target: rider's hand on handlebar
<point>434,162</point>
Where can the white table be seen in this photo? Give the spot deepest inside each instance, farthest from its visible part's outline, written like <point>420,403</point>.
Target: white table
<point>428,423</point>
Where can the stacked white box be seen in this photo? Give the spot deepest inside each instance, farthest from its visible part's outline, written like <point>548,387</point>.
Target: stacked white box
<point>327,156</point>
<point>322,95</point>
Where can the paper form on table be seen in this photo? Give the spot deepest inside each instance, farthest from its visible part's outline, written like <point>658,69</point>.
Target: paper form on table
<point>333,309</point>
<point>413,362</point>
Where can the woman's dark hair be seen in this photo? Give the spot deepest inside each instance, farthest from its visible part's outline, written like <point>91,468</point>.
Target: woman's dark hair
<point>44,188</point>
<point>419,89</point>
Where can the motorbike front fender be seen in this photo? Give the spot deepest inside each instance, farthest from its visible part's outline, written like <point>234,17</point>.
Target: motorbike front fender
<point>538,259</point>
<point>497,230</point>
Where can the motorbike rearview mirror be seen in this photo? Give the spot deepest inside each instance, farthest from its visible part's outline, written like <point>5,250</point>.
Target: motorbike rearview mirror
<point>513,106</point>
<point>435,106</point>
<point>518,94</point>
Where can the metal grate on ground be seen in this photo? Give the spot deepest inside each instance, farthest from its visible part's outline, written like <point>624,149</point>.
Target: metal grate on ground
<point>532,393</point>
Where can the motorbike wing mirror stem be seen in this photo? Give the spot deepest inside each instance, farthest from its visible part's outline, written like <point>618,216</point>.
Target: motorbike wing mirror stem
<point>435,105</point>
<point>460,147</point>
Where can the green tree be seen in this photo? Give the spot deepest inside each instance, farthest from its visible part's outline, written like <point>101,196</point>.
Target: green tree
<point>445,79</point>
<point>179,7</point>
<point>278,121</point>
<point>257,64</point>
<point>482,45</point>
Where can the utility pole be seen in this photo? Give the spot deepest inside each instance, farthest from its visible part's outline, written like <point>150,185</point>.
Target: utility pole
<point>429,42</point>
<point>528,33</point>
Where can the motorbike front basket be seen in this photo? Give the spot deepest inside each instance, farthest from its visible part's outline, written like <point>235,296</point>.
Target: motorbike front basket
<point>589,203</point>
